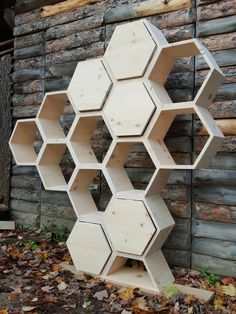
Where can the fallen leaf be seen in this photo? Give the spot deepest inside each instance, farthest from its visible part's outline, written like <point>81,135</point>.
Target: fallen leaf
<point>126,294</point>
<point>228,280</point>
<point>189,299</point>
<point>218,304</point>
<point>46,289</point>
<point>170,291</point>
<point>229,290</point>
<point>86,304</point>
<point>28,308</point>
<point>62,286</point>
<point>139,303</point>
<point>3,311</point>
<point>100,295</point>
<point>126,312</point>
<point>56,267</point>
<point>190,310</point>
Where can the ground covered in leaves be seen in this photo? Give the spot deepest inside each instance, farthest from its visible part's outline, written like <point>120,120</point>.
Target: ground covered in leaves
<point>34,280</point>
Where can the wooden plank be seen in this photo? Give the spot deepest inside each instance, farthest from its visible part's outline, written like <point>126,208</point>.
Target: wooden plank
<point>27,182</point>
<point>26,219</point>
<point>177,257</point>
<point>28,63</point>
<point>59,222</point>
<point>23,170</point>
<point>229,73</point>
<point>145,8</point>
<point>78,54</point>
<point>219,42</point>
<point>214,264</point>
<point>213,247</point>
<point>72,41</point>
<point>214,230</point>
<point>176,240</point>
<point>24,207</point>
<point>5,129</point>
<point>227,126</point>
<point>216,26</point>
<point>57,84</point>
<point>59,211</point>
<point>7,225</point>
<point>216,10</point>
<point>202,295</point>
<point>227,146</point>
<point>25,194</point>
<point>216,212</point>
<point>28,5</point>
<point>33,99</point>
<point>29,40</point>
<point>223,109</point>
<point>74,27</point>
<point>214,177</point>
<point>25,111</point>
<point>224,195</point>
<point>27,75</point>
<point>65,6</point>
<point>32,86</point>
<point>26,52</point>
<point>174,18</point>
<point>57,198</point>
<point>223,58</point>
<point>32,22</point>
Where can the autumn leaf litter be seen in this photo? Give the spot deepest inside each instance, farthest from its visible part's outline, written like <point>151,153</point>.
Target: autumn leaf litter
<point>36,278</point>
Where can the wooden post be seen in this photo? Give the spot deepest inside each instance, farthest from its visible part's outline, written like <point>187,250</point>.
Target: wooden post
<point>5,131</point>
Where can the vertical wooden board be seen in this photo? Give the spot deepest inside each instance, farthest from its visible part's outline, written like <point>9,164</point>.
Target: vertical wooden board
<point>5,128</point>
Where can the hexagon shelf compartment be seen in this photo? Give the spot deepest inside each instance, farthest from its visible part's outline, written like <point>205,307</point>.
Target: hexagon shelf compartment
<point>22,142</point>
<point>125,92</point>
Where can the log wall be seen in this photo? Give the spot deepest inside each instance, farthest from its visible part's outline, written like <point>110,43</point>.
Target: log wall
<point>50,40</point>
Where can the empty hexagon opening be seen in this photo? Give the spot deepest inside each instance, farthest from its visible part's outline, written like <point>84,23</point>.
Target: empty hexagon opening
<point>171,136</point>
<point>25,142</point>
<point>148,274</point>
<point>88,191</point>
<point>89,139</point>
<point>55,116</point>
<point>174,68</point>
<point>55,166</point>
<point>130,166</point>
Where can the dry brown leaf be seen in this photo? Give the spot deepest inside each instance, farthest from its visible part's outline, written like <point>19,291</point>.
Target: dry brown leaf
<point>126,294</point>
<point>218,304</point>
<point>189,299</point>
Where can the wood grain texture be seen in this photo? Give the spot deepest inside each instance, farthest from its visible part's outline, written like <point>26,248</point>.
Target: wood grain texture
<point>145,8</point>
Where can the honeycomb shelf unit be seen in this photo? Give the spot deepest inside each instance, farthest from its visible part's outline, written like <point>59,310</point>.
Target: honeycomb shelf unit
<point>124,90</point>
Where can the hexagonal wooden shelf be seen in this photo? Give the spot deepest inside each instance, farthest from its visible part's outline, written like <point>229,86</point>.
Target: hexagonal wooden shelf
<point>49,115</point>
<point>126,89</point>
<point>22,142</point>
<point>129,109</point>
<point>89,75</point>
<point>89,247</point>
